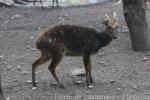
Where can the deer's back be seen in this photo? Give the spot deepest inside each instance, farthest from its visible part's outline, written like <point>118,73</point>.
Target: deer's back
<point>74,40</point>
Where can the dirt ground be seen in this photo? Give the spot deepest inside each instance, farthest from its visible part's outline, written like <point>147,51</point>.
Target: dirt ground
<point>119,72</point>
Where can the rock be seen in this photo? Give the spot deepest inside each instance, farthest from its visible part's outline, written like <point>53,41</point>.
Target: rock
<point>38,72</point>
<point>16,76</point>
<point>53,84</point>
<point>118,89</point>
<point>1,56</point>
<point>4,62</point>
<point>109,85</point>
<point>22,63</point>
<point>7,2</point>
<point>25,72</point>
<point>78,82</point>
<point>2,69</point>
<point>112,81</point>
<point>16,16</point>
<point>78,72</point>
<point>39,28</point>
<point>87,92</point>
<point>15,80</point>
<point>123,30</point>
<point>59,18</point>
<point>101,62</point>
<point>16,89</point>
<point>135,86</point>
<point>9,67</point>
<point>19,68</point>
<point>115,50</point>
<point>144,59</point>
<point>34,49</point>
<point>101,53</point>
<point>90,86</point>
<point>28,81</point>
<point>32,37</point>
<point>7,98</point>
<point>27,46</point>
<point>6,22</point>
<point>66,15</point>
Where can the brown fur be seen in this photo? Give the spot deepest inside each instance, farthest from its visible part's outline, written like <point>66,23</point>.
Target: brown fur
<point>71,40</point>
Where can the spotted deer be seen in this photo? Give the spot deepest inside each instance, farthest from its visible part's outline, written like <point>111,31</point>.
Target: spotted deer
<point>42,3</point>
<point>73,40</point>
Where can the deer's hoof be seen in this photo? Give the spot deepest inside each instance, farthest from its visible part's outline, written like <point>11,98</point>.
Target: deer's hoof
<point>33,88</point>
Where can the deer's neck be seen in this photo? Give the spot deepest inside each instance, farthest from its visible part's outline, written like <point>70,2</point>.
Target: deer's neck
<point>104,38</point>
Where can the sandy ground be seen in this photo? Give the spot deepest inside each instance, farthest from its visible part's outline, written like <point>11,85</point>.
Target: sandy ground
<point>119,72</point>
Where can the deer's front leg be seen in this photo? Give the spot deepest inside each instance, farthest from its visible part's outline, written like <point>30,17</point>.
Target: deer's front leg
<point>87,65</point>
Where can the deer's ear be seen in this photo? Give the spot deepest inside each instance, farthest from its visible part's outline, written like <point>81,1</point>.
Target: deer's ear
<point>115,16</point>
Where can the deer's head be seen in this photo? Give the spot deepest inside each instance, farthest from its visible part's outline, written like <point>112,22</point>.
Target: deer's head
<point>111,25</point>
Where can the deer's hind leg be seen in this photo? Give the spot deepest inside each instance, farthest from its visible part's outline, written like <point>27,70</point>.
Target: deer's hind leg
<point>43,58</point>
<point>57,3</point>
<point>55,61</point>
<point>41,3</point>
<point>34,2</point>
<point>53,3</point>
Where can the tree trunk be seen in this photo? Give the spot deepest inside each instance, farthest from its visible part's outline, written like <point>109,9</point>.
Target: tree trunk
<point>135,16</point>
<point>1,94</point>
